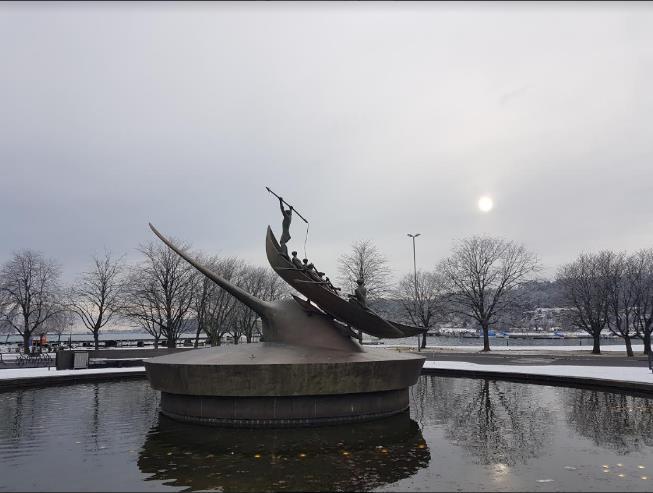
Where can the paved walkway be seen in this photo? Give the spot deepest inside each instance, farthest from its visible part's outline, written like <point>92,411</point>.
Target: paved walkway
<point>39,377</point>
<point>607,371</point>
<point>536,358</point>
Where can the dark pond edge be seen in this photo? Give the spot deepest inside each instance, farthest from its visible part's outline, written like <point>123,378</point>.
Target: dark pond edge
<point>28,382</point>
<point>645,389</point>
<point>639,388</point>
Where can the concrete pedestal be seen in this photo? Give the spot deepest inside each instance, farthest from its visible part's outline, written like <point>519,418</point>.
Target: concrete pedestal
<point>276,385</point>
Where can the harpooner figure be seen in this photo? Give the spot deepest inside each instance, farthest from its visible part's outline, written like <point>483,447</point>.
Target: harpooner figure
<point>285,227</point>
<point>360,294</point>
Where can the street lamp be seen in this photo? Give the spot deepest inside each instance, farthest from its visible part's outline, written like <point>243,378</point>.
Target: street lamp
<point>415,272</point>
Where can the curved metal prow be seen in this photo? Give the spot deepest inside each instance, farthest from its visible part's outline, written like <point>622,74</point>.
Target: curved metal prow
<point>259,306</point>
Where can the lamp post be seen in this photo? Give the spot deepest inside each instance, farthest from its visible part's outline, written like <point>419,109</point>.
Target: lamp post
<point>413,236</point>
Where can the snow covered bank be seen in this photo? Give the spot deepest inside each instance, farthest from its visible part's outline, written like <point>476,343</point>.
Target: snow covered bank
<point>639,378</point>
<point>14,373</point>
<point>638,349</point>
<point>625,374</point>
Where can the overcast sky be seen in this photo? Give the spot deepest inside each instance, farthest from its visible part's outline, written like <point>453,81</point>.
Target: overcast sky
<point>373,119</point>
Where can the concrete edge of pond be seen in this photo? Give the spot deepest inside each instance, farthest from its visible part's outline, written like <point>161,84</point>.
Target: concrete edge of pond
<point>38,381</point>
<point>556,380</point>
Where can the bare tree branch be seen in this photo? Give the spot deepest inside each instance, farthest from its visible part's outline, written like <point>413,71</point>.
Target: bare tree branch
<point>95,296</point>
<point>30,294</point>
<point>483,272</point>
<point>585,283</point>
<point>160,292</point>
<point>367,263</point>
<point>423,304</point>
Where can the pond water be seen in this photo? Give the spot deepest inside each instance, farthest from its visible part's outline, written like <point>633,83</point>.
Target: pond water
<point>460,434</point>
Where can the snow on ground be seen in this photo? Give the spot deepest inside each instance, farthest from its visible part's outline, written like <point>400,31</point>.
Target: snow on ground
<point>619,374</point>
<point>638,349</point>
<point>44,372</point>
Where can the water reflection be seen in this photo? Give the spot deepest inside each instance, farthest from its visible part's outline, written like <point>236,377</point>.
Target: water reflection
<point>332,458</point>
<point>82,437</point>
<point>619,422</point>
<point>109,436</point>
<point>495,422</point>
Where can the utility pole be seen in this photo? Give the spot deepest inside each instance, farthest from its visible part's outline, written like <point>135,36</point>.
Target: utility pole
<point>413,236</point>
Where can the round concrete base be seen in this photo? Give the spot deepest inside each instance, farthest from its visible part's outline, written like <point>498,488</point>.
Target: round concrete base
<point>286,411</point>
<point>277,385</point>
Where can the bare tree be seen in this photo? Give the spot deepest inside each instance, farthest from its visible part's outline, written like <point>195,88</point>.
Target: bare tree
<point>160,293</point>
<point>483,272</point>
<point>95,296</point>
<point>262,283</point>
<point>220,307</point>
<point>622,297</point>
<point>585,283</point>
<point>367,263</point>
<point>643,313</point>
<point>30,293</point>
<point>204,289</point>
<point>423,304</point>
<point>139,305</point>
<point>59,323</point>
<point>6,329</point>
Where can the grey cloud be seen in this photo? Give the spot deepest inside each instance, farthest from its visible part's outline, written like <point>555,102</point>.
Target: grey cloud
<point>374,119</point>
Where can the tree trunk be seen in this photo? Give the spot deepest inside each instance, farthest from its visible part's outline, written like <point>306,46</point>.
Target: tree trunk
<point>486,337</point>
<point>172,341</point>
<point>26,347</point>
<point>629,346</point>
<point>96,337</point>
<point>248,338</point>
<point>647,342</point>
<point>236,339</point>
<point>423,345</point>
<point>156,342</point>
<point>360,336</point>
<point>596,349</point>
<point>197,335</point>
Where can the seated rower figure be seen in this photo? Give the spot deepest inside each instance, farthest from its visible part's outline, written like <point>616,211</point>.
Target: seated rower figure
<point>360,294</point>
<point>322,280</point>
<point>296,262</point>
<point>310,270</point>
<point>331,286</point>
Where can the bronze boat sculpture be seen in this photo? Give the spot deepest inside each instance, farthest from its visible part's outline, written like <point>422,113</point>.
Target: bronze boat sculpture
<point>348,312</point>
<point>309,369</point>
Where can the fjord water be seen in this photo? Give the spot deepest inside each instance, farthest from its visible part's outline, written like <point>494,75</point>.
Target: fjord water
<point>467,434</point>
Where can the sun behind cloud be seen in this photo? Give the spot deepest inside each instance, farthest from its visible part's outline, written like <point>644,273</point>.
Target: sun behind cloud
<point>485,203</point>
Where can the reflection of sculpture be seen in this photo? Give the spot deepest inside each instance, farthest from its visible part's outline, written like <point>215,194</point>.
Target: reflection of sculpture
<point>337,458</point>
